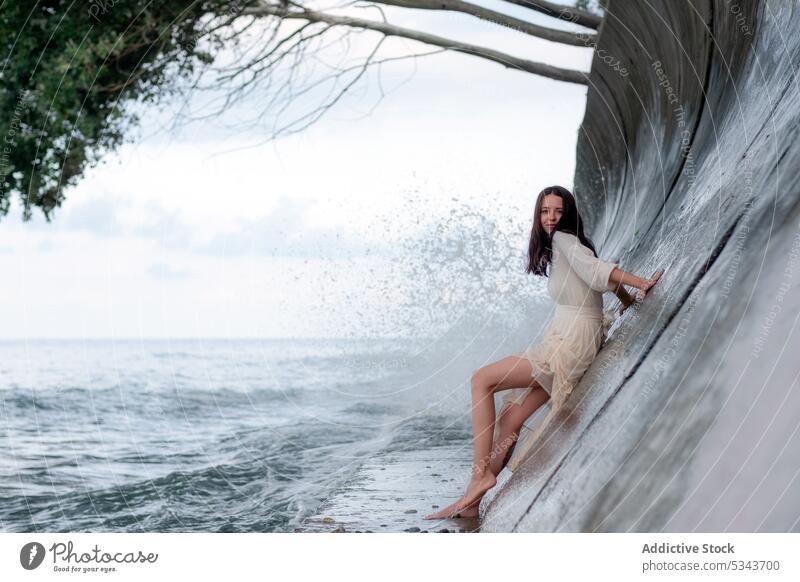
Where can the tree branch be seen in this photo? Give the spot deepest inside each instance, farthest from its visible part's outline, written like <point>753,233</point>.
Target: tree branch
<point>551,34</point>
<point>508,61</point>
<point>562,12</point>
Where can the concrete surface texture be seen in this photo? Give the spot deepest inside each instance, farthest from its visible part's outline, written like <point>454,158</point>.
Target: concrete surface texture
<point>687,160</point>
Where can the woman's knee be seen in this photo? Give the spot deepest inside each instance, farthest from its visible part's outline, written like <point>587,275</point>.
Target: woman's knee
<point>480,380</point>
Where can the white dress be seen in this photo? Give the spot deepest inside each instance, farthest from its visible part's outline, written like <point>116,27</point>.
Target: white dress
<point>574,334</point>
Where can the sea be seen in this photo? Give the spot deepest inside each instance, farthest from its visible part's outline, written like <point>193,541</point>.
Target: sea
<point>253,435</point>
<point>215,435</point>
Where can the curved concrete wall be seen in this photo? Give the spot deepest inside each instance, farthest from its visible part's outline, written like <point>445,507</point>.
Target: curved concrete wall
<point>687,160</point>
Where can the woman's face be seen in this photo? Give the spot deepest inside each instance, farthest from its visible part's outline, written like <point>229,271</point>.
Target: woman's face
<point>552,207</point>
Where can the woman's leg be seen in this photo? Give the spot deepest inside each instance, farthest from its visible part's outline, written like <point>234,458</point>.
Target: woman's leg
<point>509,372</point>
<point>511,419</point>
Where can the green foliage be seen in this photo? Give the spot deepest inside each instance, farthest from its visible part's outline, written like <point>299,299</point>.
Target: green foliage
<point>71,72</point>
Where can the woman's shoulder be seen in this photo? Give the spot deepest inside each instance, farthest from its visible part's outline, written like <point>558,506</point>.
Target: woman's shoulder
<point>563,234</point>
<point>561,237</point>
<point>569,244</point>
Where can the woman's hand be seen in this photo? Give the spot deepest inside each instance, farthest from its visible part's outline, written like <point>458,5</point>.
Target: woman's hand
<point>625,304</point>
<point>625,298</point>
<point>649,283</point>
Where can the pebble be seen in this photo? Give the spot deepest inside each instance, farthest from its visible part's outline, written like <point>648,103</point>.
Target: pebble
<point>339,529</point>
<point>328,520</point>
<point>410,511</point>
<point>412,529</point>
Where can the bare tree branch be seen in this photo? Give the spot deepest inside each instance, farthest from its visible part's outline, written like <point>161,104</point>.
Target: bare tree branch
<point>288,128</point>
<point>309,118</point>
<point>562,12</point>
<point>562,36</point>
<point>508,61</point>
<point>287,40</point>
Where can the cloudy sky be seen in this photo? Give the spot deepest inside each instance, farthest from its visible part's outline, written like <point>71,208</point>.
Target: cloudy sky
<point>207,231</point>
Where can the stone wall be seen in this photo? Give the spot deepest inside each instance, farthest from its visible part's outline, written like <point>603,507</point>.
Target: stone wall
<point>687,160</point>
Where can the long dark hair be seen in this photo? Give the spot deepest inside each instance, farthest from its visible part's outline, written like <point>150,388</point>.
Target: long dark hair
<point>539,248</point>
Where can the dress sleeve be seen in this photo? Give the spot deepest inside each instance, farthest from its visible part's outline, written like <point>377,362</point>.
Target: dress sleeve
<point>593,271</point>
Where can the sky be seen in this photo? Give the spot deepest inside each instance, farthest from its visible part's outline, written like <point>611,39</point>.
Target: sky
<point>209,231</point>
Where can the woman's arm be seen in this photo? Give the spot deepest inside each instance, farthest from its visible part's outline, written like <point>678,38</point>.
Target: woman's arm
<point>624,297</point>
<point>598,274</point>
<point>618,278</point>
<point>593,271</point>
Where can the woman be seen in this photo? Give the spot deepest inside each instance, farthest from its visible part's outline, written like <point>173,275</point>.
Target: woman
<point>551,369</point>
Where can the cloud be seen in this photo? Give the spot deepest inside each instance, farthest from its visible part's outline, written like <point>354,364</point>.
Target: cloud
<point>285,233</point>
<point>97,216</point>
<point>114,217</point>
<point>161,270</point>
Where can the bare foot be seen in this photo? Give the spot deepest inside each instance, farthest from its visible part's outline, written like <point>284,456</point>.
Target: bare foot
<point>477,488</point>
<point>652,281</point>
<point>471,511</point>
<point>453,511</point>
<point>446,512</point>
